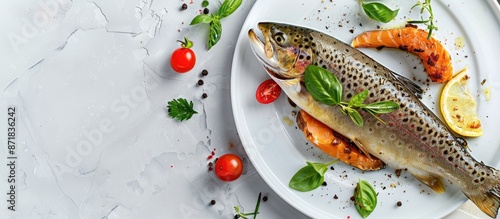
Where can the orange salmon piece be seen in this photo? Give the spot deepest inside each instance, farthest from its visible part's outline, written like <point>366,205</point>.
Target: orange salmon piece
<point>435,58</point>
<point>334,144</point>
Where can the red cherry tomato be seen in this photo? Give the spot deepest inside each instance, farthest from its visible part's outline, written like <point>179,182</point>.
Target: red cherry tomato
<point>228,167</point>
<point>268,91</point>
<point>183,59</point>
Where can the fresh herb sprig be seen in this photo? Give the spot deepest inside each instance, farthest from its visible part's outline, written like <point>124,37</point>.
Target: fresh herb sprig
<point>425,6</point>
<point>326,88</point>
<point>310,177</point>
<point>254,213</point>
<point>378,11</point>
<point>227,8</point>
<point>180,109</point>
<point>365,198</point>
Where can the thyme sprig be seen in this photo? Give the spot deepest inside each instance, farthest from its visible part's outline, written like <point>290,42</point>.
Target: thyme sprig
<point>254,213</point>
<point>425,6</point>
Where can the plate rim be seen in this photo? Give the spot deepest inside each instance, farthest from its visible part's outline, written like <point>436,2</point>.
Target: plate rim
<point>238,115</point>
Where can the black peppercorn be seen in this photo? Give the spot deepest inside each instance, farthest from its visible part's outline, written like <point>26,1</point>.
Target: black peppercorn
<point>205,11</point>
<point>200,82</point>
<point>204,95</point>
<point>264,199</point>
<point>212,202</point>
<point>184,6</point>
<point>204,72</point>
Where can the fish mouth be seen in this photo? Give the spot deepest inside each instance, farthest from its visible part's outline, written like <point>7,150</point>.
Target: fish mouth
<point>264,51</point>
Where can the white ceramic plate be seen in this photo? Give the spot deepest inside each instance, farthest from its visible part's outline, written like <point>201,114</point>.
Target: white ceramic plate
<point>470,30</point>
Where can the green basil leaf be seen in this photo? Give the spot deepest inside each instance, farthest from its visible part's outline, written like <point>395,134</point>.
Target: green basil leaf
<point>205,3</point>
<point>228,7</point>
<point>323,85</point>
<point>379,12</point>
<point>382,107</point>
<point>358,99</point>
<point>365,198</point>
<point>355,116</point>
<point>215,33</point>
<point>202,18</point>
<point>320,168</point>
<point>306,179</point>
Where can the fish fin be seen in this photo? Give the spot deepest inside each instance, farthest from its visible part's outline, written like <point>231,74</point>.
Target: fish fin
<point>487,202</point>
<point>414,88</point>
<point>362,148</point>
<point>435,183</point>
<point>487,199</point>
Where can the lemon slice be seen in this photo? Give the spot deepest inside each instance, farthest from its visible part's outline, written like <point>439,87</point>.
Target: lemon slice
<point>458,107</point>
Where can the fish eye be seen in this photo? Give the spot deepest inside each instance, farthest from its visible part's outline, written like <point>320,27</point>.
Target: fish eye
<point>279,38</point>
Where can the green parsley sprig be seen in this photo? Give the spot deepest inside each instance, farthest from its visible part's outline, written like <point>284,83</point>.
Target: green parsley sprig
<point>254,213</point>
<point>180,109</point>
<point>227,8</point>
<point>378,11</point>
<point>326,88</point>
<point>425,6</point>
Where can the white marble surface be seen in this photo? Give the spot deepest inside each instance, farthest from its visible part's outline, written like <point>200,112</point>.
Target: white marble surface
<point>90,81</point>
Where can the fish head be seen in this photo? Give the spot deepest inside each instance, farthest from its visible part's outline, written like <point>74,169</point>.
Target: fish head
<point>286,50</point>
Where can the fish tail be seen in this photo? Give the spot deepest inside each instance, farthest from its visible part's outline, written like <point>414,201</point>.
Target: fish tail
<point>488,198</point>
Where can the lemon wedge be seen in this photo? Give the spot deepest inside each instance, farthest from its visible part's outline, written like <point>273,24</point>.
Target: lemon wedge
<point>458,107</point>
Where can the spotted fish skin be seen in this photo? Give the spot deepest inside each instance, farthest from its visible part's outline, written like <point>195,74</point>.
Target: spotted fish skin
<point>411,138</point>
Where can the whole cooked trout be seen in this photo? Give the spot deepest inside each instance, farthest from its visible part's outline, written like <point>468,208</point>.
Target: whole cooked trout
<point>411,137</point>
